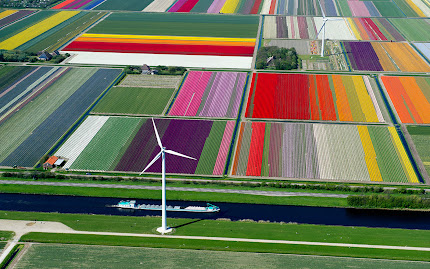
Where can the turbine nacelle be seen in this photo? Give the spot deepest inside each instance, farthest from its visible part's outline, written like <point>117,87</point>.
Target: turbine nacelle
<point>163,150</point>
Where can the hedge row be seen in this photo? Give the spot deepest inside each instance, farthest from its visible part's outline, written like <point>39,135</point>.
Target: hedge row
<point>388,201</point>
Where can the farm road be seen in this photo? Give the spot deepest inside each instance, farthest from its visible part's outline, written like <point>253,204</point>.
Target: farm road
<point>120,186</point>
<point>21,227</point>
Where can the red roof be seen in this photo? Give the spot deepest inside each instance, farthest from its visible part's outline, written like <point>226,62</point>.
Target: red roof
<point>52,160</point>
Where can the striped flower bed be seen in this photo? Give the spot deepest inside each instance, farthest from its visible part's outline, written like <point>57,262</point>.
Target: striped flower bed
<point>163,44</point>
<point>174,39</point>
<point>313,97</point>
<point>217,6</point>
<point>129,144</point>
<point>320,151</point>
<point>10,16</point>
<point>342,29</point>
<point>410,96</point>
<point>42,105</point>
<point>384,56</point>
<point>36,30</point>
<point>210,94</point>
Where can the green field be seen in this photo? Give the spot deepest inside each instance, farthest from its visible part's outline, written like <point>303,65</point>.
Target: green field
<point>131,5</point>
<point>234,229</point>
<point>177,24</point>
<point>388,9</point>
<point>4,236</point>
<point>84,256</point>
<point>106,144</point>
<point>414,29</point>
<point>406,9</point>
<point>133,100</point>
<point>59,37</point>
<point>199,244</point>
<point>421,138</point>
<point>9,74</point>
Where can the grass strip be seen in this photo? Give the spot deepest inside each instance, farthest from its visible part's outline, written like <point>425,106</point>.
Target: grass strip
<point>5,235</point>
<point>233,229</point>
<point>175,195</point>
<point>225,246</point>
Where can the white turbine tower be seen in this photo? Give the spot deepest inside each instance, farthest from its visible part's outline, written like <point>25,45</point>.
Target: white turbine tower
<point>163,229</point>
<point>325,19</point>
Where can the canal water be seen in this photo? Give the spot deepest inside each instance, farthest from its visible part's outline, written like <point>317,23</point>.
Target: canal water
<point>233,211</point>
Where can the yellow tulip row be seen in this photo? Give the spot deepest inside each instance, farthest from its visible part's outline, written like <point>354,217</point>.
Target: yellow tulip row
<point>36,30</point>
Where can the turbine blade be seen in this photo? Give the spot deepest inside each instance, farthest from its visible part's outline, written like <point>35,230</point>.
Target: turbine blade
<point>151,163</point>
<point>322,26</point>
<point>156,134</point>
<point>322,10</point>
<point>179,154</point>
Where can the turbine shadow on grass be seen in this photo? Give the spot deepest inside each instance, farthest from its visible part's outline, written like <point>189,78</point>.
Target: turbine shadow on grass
<point>188,223</point>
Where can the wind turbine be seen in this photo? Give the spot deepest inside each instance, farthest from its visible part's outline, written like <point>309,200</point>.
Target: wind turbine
<point>325,19</point>
<point>163,229</point>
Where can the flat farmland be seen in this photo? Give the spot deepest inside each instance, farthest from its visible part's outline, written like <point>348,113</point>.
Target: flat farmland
<point>210,94</point>
<point>44,30</point>
<point>424,48</point>
<point>31,31</point>
<point>371,8</point>
<point>56,98</point>
<point>163,81</point>
<point>10,16</point>
<point>72,256</point>
<point>384,56</point>
<point>129,144</point>
<point>176,36</point>
<point>134,100</point>
<point>323,152</point>
<point>421,138</point>
<point>315,97</point>
<point>129,5</point>
<point>410,97</point>
<point>343,29</point>
<point>413,30</point>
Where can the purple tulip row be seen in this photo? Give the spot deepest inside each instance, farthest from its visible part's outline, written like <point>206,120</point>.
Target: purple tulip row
<point>362,56</point>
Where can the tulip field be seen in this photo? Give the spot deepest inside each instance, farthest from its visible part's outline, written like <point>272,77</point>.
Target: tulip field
<point>128,144</point>
<point>37,29</point>
<point>43,30</point>
<point>10,16</point>
<point>131,5</point>
<point>410,97</point>
<point>210,94</point>
<point>342,29</point>
<point>39,104</point>
<point>421,137</point>
<point>195,6</point>
<point>321,151</point>
<point>214,39</point>
<point>424,48</point>
<point>413,29</point>
<point>384,56</point>
<point>352,8</point>
<point>313,97</point>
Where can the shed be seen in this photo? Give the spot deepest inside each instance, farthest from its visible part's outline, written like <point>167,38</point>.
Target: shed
<point>58,162</point>
<point>50,163</point>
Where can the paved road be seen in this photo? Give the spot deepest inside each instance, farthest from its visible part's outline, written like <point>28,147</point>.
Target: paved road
<point>137,187</point>
<point>21,227</point>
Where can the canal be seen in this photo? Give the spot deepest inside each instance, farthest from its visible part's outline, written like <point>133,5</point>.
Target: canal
<point>233,211</point>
